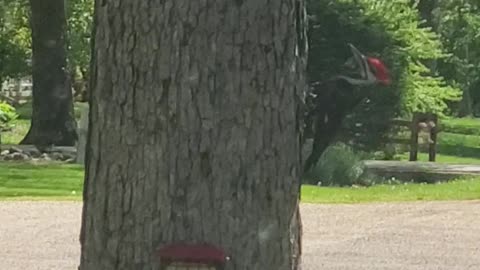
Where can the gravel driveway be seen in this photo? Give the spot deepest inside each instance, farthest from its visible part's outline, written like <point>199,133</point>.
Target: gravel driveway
<point>426,236</point>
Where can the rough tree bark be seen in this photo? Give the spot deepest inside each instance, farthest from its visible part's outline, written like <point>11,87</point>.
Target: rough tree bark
<point>194,133</point>
<point>53,121</point>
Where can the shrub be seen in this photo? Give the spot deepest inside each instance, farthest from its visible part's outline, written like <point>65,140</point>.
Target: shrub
<point>338,166</point>
<point>7,116</point>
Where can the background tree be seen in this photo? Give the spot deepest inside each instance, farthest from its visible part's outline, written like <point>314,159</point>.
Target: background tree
<point>458,23</point>
<point>52,116</point>
<point>195,131</point>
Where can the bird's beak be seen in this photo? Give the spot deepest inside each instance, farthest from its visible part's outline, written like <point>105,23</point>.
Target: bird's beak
<point>361,61</point>
<point>355,51</point>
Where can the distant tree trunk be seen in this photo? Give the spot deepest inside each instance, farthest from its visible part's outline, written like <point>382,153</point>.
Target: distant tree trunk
<point>194,132</point>
<point>426,9</point>
<point>84,94</point>
<point>53,121</point>
<point>466,104</point>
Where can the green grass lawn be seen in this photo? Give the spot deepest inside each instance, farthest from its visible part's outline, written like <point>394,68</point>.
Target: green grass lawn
<point>456,139</point>
<point>54,181</point>
<point>441,158</point>
<point>17,133</point>
<point>469,126</point>
<point>455,190</point>
<point>21,181</point>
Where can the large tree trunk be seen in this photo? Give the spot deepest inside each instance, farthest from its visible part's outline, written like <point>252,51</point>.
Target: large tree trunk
<point>194,134</point>
<point>53,121</point>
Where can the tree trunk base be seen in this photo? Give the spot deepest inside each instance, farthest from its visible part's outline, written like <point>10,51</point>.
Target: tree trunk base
<point>45,137</point>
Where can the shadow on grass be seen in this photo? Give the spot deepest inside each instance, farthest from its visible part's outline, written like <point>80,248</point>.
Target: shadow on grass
<point>458,150</point>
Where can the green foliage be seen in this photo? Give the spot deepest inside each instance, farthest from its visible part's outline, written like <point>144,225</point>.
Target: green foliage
<point>14,39</point>
<point>338,166</point>
<point>425,93</point>
<point>80,18</point>
<point>7,116</point>
<point>15,36</point>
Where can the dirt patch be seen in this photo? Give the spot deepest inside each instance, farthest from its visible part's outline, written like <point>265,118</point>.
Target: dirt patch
<point>433,235</point>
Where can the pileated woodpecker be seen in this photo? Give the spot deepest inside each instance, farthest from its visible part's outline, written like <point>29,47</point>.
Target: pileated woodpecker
<point>330,101</point>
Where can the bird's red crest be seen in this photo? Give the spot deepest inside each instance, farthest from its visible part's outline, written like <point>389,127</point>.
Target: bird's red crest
<point>380,70</point>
